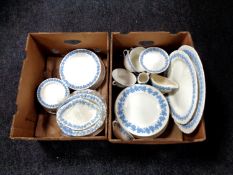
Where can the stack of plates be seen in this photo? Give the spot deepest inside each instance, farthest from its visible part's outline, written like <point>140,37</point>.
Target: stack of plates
<point>187,102</point>
<point>83,113</point>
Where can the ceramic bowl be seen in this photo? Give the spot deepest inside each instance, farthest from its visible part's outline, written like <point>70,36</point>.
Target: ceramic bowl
<point>154,60</point>
<point>120,132</point>
<point>123,78</point>
<point>183,101</point>
<point>131,59</point>
<point>82,69</point>
<point>163,84</point>
<point>51,93</point>
<point>193,123</point>
<point>142,110</point>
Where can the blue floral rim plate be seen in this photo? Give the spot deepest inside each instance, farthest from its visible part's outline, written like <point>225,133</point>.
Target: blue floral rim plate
<point>95,77</point>
<point>44,83</point>
<point>191,125</point>
<point>161,52</point>
<point>188,114</point>
<point>160,121</point>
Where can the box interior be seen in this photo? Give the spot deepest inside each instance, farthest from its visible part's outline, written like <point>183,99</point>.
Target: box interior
<point>169,42</point>
<point>44,52</point>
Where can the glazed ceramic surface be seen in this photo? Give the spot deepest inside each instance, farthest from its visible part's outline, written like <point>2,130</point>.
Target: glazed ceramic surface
<point>193,55</point>
<point>154,60</point>
<point>163,84</point>
<point>80,69</point>
<point>120,132</point>
<point>52,92</point>
<point>183,101</point>
<point>131,59</point>
<point>123,78</point>
<point>142,110</point>
<point>143,78</point>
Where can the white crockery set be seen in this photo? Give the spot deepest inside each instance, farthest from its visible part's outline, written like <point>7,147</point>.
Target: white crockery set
<point>83,112</point>
<point>143,110</point>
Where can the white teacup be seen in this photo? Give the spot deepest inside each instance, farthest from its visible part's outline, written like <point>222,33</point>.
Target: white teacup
<point>131,59</point>
<point>123,78</point>
<point>120,132</point>
<point>143,78</point>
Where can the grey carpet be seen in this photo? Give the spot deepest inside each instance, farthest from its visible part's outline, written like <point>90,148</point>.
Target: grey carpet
<point>210,24</point>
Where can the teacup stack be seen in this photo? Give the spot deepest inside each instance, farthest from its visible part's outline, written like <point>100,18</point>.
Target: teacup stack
<point>165,83</point>
<point>84,111</point>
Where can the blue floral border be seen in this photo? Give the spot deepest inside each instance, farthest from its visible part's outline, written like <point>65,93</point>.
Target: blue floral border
<point>89,84</point>
<point>163,88</point>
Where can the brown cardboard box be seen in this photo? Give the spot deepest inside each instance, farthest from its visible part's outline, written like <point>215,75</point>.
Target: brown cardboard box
<point>169,42</point>
<point>43,55</point>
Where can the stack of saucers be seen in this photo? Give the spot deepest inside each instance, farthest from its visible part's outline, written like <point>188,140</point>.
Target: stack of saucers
<point>83,113</point>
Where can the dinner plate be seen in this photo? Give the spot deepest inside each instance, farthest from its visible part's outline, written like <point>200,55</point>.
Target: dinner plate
<point>79,114</point>
<point>182,101</point>
<point>154,60</point>
<point>80,69</point>
<point>142,110</point>
<point>193,55</point>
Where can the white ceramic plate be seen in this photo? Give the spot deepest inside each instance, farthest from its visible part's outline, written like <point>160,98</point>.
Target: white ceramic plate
<point>154,60</point>
<point>191,125</point>
<point>79,114</point>
<point>142,110</point>
<point>80,69</point>
<point>183,101</point>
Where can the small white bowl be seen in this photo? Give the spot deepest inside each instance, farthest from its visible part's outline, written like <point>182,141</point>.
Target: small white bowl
<point>163,84</point>
<point>154,60</point>
<point>123,78</point>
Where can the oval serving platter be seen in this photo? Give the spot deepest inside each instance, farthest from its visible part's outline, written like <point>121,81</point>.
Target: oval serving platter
<point>154,60</point>
<point>142,119</point>
<point>183,101</point>
<point>79,114</point>
<point>80,69</point>
<point>193,55</point>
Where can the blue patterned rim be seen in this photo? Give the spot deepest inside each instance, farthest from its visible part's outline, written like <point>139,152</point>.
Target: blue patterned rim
<point>154,49</point>
<point>163,88</point>
<point>83,126</point>
<point>48,81</point>
<point>95,78</point>
<point>153,129</point>
<point>186,117</point>
<point>191,126</point>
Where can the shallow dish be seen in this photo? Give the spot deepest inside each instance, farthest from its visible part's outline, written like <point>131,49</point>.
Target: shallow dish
<point>81,69</point>
<point>79,114</point>
<point>183,101</point>
<point>154,60</point>
<point>142,110</point>
<point>51,93</point>
<point>163,84</point>
<point>193,55</point>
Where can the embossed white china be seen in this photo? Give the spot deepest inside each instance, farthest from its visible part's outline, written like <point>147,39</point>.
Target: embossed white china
<point>123,78</point>
<point>162,83</point>
<point>142,110</point>
<point>82,69</point>
<point>154,60</point>
<point>131,59</point>
<point>51,93</point>
<point>183,101</point>
<point>120,132</point>
<point>193,123</point>
<point>143,78</point>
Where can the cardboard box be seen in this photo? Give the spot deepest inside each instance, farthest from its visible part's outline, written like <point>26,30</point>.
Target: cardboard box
<point>169,42</point>
<point>44,52</point>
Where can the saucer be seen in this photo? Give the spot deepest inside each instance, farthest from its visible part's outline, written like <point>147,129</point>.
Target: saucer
<point>183,101</point>
<point>154,60</point>
<point>193,55</point>
<point>80,69</point>
<point>142,110</point>
<point>79,114</point>
<point>163,84</point>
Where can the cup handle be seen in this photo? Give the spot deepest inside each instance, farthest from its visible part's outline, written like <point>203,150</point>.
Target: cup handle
<point>125,52</point>
<point>114,83</point>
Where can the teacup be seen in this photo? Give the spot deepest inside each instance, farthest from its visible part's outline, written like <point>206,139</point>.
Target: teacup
<point>123,78</point>
<point>143,78</point>
<point>120,132</point>
<point>163,84</point>
<point>131,59</point>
